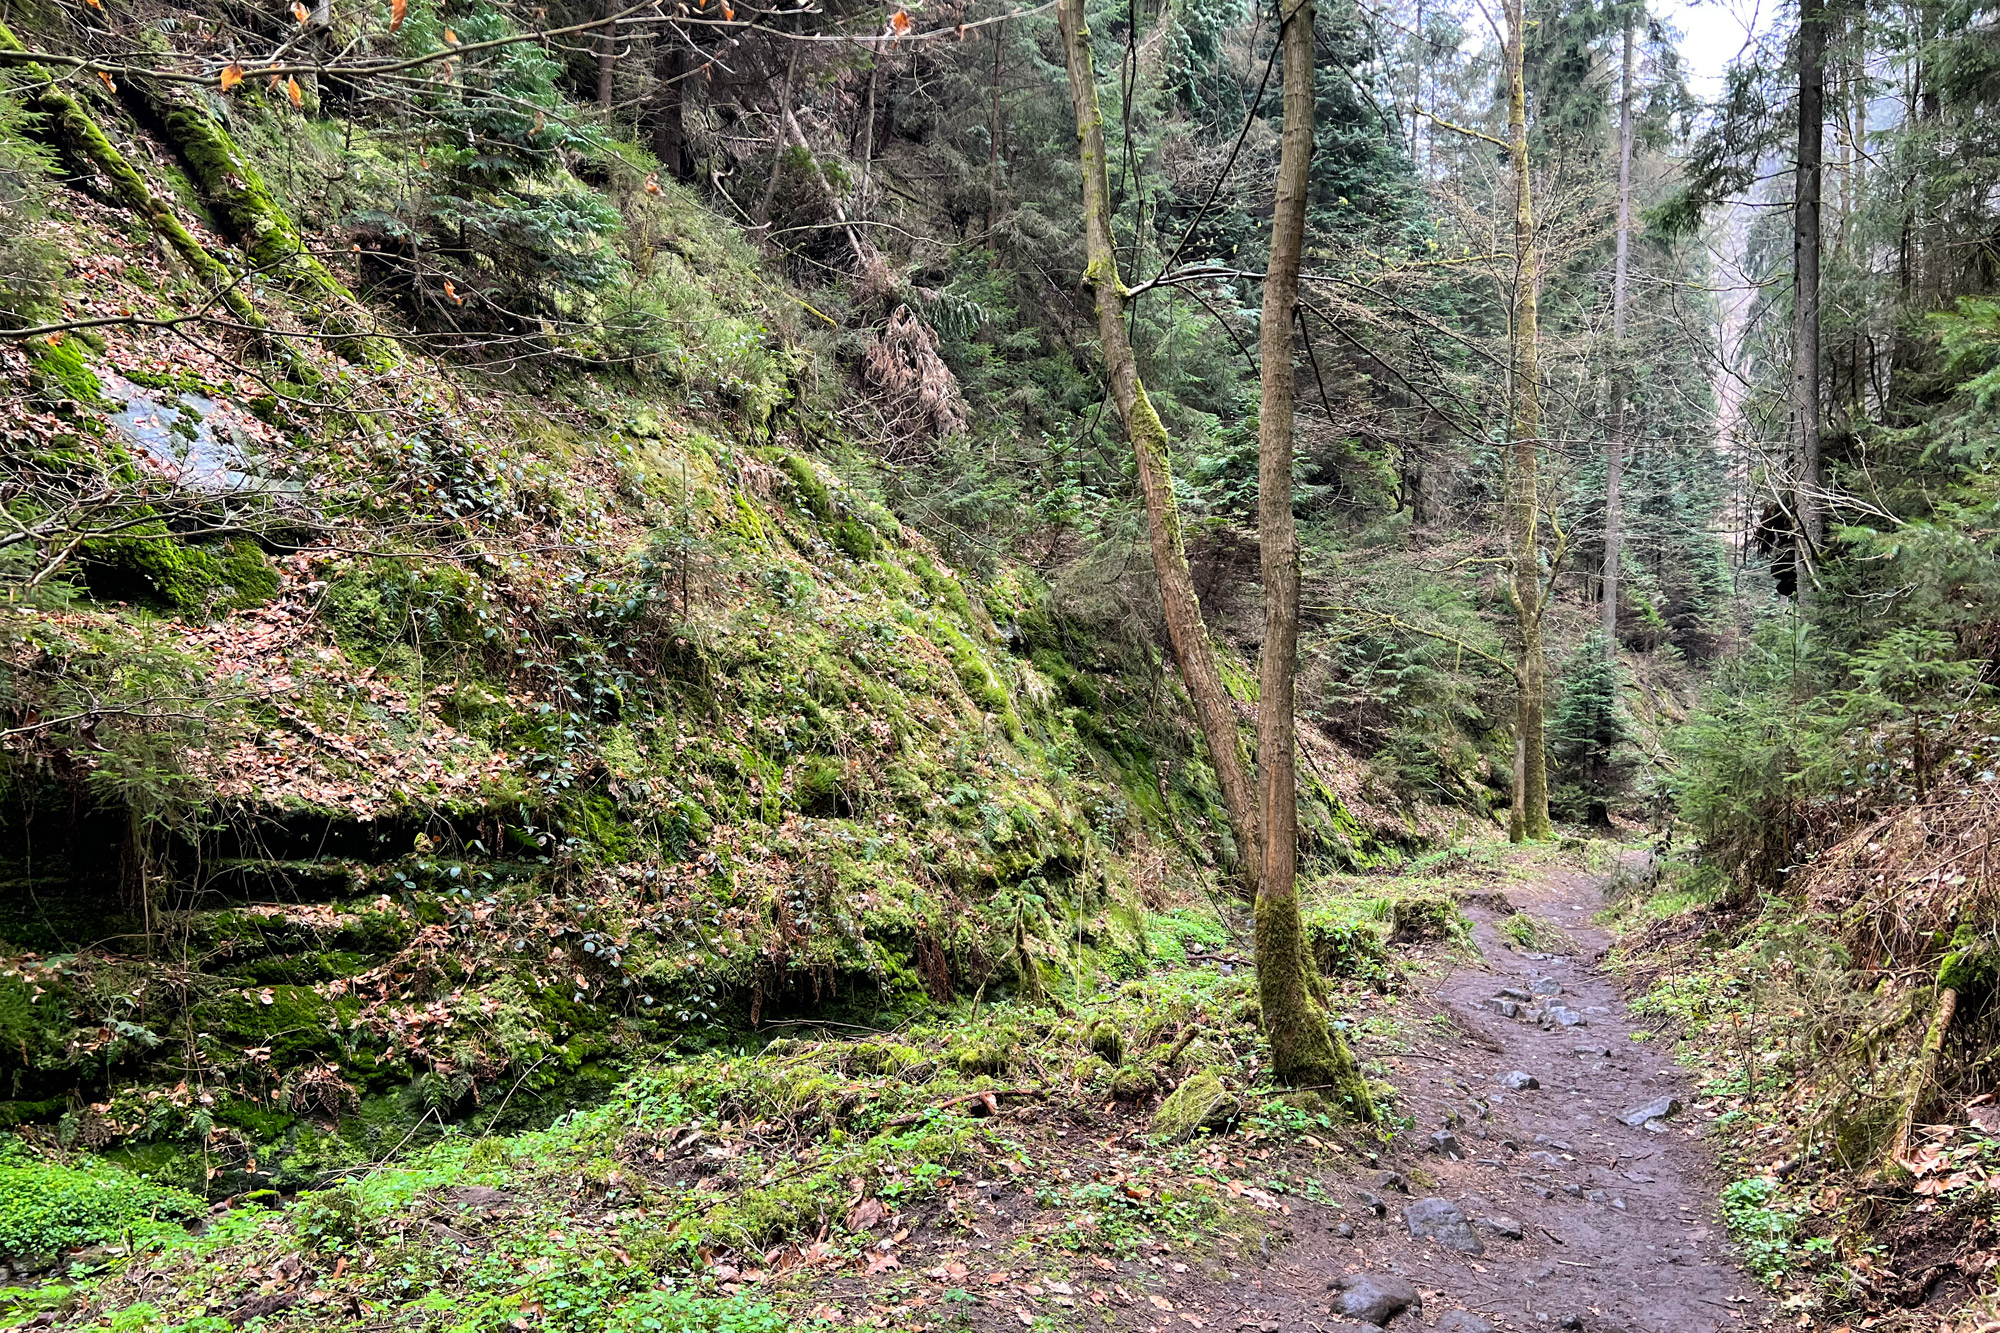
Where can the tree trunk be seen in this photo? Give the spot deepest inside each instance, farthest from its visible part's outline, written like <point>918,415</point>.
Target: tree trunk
<point>607,56</point>
<point>1304,1051</point>
<point>666,107</point>
<point>779,133</point>
<point>993,138</point>
<point>1529,817</point>
<point>1805,289</point>
<point>1614,459</point>
<point>1188,637</point>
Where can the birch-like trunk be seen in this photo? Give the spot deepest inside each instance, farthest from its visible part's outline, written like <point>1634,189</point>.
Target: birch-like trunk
<point>1304,1052</point>
<point>1529,818</point>
<point>1805,289</point>
<point>1615,444</point>
<point>1186,633</point>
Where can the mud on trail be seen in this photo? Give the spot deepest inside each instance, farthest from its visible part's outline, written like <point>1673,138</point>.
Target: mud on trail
<point>1539,1205</point>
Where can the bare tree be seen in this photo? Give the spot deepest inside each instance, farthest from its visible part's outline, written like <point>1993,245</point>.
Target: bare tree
<point>1614,454</point>
<point>1188,636</point>
<point>1303,1049</point>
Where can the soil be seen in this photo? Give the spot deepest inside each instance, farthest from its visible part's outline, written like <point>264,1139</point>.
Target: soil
<point>1617,1224</point>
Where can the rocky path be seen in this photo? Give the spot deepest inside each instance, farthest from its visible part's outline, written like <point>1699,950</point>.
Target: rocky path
<point>1553,1180</point>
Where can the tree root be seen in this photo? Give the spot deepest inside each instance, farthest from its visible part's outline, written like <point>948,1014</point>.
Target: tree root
<point>1921,1074</point>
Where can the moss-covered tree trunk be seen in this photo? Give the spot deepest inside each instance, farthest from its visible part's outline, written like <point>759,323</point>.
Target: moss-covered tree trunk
<point>237,196</point>
<point>80,137</point>
<point>1529,817</point>
<point>1193,652</point>
<point>1304,1050</point>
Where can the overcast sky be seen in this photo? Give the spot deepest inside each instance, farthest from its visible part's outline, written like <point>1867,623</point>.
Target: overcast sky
<point>1713,32</point>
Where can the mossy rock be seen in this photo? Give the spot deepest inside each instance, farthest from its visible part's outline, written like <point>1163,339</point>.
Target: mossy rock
<point>1132,1084</point>
<point>1416,920</point>
<point>1104,1038</point>
<point>883,1057</point>
<point>983,1058</point>
<point>1307,1101</point>
<point>1970,968</point>
<point>1201,1102</point>
<point>1090,1071</point>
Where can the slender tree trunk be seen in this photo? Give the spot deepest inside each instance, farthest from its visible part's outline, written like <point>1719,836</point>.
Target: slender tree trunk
<point>1303,1050</point>
<point>607,56</point>
<point>779,133</point>
<point>665,110</point>
<point>1186,634</point>
<point>993,138</point>
<point>1614,460</point>
<point>868,140</point>
<point>1805,288</point>
<point>1529,818</point>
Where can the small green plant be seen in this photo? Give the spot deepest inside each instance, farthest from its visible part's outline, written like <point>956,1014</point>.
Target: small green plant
<point>1765,1233</point>
<point>47,1209</point>
<point>1534,935</point>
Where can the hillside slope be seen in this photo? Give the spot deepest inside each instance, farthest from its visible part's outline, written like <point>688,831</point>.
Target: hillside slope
<point>432,736</point>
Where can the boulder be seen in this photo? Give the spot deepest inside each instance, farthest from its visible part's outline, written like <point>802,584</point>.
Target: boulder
<point>1373,1298</point>
<point>1440,1220</point>
<point>1200,1102</point>
<point>1657,1109</point>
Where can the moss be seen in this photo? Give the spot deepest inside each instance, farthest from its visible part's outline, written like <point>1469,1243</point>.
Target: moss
<point>289,1024</point>
<point>235,192</point>
<point>989,1057</point>
<point>973,673</point>
<point>1104,1038</point>
<point>152,566</point>
<point>1416,919</point>
<point>1970,968</point>
<point>943,588</point>
<point>1132,1084</point>
<point>813,494</point>
<point>855,538</point>
<point>62,371</point>
<point>1200,1102</point>
<point>249,576</point>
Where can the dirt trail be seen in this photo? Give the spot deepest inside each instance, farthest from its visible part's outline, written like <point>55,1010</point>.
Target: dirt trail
<point>1617,1225</point>
<point>1574,1219</point>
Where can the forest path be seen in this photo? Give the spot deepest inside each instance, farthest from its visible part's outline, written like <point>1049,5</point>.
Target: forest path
<point>1617,1221</point>
<point>1546,1210</point>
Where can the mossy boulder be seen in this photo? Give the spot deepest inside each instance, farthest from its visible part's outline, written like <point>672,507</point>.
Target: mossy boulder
<point>1104,1038</point>
<point>983,1058</point>
<point>1970,968</point>
<point>1201,1102</point>
<point>1133,1084</point>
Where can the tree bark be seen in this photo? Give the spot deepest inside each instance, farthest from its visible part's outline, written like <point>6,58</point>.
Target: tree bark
<point>1529,817</point>
<point>993,138</point>
<point>1304,1051</point>
<point>1805,288</point>
<point>607,57</point>
<point>779,133</point>
<point>666,108</point>
<point>1614,459</point>
<point>1186,634</point>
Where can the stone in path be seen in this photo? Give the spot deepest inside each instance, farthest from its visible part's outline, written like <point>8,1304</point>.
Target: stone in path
<point>1440,1220</point>
<point>1373,1298</point>
<point>1657,1109</point>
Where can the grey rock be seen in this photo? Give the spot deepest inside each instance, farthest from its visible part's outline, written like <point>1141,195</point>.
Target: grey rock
<point>1379,1208</point>
<point>1597,1009</point>
<point>1541,1193</point>
<point>1373,1298</point>
<point>1619,1204</point>
<point>1463,1321</point>
<point>1446,1142</point>
<point>1513,993</point>
<point>1440,1220</point>
<point>1544,1158</point>
<point>1519,1080</point>
<point>1547,986</point>
<point>1655,1126</point>
<point>1488,1161</point>
<point>1390,1180</point>
<point>1657,1109</point>
<point>1594,1052</point>
<point>1345,1231</point>
<point>1574,1190</point>
<point>1504,1008</point>
<point>1570,1321</point>
<point>1598,1196</point>
<point>1568,1018</point>
<point>1502,1225</point>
